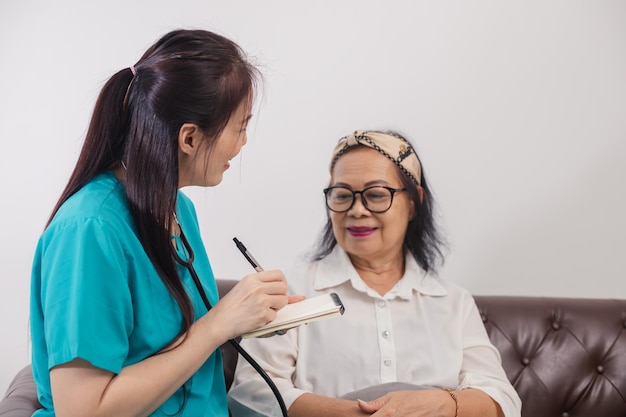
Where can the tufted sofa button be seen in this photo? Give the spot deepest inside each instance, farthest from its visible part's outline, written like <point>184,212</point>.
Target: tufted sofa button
<point>600,369</point>
<point>565,414</point>
<point>525,361</point>
<point>556,325</point>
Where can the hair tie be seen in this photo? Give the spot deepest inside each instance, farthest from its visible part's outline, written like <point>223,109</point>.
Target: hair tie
<point>125,100</point>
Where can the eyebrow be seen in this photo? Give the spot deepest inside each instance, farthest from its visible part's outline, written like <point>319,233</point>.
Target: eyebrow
<point>247,119</point>
<point>367,184</point>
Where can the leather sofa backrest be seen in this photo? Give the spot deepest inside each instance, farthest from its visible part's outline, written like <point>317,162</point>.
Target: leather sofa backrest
<point>565,356</point>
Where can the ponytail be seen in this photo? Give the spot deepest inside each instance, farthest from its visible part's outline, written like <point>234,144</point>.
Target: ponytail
<point>103,144</point>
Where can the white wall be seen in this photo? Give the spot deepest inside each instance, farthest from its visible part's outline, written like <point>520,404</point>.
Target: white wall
<point>517,109</point>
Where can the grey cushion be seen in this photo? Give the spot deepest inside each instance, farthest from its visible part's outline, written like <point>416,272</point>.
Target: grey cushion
<point>20,399</point>
<point>375,391</point>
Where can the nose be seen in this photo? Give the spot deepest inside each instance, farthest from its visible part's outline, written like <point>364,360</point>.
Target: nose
<point>358,209</point>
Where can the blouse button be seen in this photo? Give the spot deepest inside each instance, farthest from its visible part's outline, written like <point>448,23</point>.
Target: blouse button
<point>385,334</point>
<point>387,362</point>
<point>382,304</point>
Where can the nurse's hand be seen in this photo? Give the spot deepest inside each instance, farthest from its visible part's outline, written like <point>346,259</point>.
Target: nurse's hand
<point>252,303</point>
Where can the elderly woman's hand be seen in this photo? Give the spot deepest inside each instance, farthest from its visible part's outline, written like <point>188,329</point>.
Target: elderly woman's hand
<point>430,403</point>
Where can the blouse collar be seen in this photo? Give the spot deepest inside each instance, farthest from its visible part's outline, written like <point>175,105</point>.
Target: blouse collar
<point>336,269</point>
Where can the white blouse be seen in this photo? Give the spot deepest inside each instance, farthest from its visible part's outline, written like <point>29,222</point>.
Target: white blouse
<point>424,331</point>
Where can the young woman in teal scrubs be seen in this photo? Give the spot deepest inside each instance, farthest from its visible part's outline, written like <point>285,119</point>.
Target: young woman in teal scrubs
<point>118,324</point>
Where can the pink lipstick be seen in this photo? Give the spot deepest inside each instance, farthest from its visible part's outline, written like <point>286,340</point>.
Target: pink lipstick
<point>361,231</point>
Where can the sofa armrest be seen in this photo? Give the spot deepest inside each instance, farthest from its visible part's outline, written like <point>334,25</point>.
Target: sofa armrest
<point>20,399</point>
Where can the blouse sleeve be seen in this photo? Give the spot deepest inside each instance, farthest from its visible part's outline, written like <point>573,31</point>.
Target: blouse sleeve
<point>85,295</point>
<point>250,395</point>
<point>482,366</point>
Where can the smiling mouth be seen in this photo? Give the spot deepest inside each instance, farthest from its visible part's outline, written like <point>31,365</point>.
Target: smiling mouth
<point>361,231</point>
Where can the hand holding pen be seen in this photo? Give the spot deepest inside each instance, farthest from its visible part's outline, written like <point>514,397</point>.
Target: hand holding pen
<point>257,267</point>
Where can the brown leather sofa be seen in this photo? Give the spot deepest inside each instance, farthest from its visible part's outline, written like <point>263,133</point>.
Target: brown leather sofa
<point>565,356</point>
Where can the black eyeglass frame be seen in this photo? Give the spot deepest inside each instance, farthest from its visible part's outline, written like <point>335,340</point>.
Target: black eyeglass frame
<point>391,190</point>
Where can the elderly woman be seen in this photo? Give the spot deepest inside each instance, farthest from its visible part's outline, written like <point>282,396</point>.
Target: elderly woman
<point>409,343</point>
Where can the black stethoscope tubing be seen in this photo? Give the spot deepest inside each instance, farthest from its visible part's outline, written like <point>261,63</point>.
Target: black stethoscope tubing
<point>188,263</point>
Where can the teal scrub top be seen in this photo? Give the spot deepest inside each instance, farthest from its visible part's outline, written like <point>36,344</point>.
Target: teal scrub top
<point>96,296</point>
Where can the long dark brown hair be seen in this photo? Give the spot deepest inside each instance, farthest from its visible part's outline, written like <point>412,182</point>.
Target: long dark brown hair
<point>188,76</point>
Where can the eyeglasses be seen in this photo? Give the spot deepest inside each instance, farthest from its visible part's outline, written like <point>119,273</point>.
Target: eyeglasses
<point>376,199</point>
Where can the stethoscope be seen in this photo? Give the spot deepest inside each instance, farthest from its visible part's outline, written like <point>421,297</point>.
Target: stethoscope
<point>188,263</point>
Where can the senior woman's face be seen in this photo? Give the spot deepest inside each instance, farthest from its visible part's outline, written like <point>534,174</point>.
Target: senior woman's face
<point>372,237</point>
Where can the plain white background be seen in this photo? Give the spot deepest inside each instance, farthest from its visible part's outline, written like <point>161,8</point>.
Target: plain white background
<point>516,108</point>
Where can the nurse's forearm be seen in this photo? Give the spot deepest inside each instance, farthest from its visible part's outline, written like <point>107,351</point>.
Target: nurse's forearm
<point>80,389</point>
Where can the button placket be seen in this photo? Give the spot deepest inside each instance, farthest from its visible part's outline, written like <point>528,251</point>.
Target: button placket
<point>386,343</point>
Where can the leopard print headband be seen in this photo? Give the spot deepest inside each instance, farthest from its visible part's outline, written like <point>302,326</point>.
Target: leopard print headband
<point>392,146</point>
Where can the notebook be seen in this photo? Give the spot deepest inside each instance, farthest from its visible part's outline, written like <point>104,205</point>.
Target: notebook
<point>305,311</point>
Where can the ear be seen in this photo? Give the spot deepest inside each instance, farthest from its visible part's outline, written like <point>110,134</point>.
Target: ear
<point>189,139</point>
<point>411,210</point>
<point>420,191</point>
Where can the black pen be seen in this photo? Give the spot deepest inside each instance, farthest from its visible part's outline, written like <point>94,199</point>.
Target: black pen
<point>249,257</point>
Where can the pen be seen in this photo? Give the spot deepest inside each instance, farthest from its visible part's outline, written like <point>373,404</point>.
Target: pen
<point>256,266</point>
<point>247,255</point>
